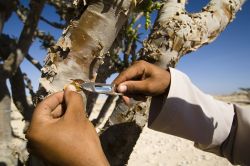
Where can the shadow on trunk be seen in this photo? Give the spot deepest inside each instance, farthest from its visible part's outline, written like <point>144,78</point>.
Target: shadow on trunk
<point>118,142</point>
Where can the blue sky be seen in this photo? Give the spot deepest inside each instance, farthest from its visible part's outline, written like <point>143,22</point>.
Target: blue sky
<point>218,68</point>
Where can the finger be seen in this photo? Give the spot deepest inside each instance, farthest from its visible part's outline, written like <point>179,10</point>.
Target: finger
<point>134,71</point>
<point>131,100</point>
<point>139,98</point>
<point>49,104</point>
<point>74,103</point>
<point>134,87</point>
<point>58,112</point>
<point>126,100</point>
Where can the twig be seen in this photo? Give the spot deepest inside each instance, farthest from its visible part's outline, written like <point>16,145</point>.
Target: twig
<point>34,62</point>
<point>53,24</point>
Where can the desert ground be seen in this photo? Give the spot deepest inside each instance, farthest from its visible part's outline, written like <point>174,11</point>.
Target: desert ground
<point>158,149</point>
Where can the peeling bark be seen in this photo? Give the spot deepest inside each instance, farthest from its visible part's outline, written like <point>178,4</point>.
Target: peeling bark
<point>80,51</point>
<point>177,33</point>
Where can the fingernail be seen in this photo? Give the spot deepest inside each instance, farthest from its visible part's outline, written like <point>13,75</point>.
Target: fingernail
<point>71,88</point>
<point>122,88</point>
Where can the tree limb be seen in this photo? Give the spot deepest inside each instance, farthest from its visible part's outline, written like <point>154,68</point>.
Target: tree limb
<point>19,96</point>
<point>15,58</point>
<point>34,62</point>
<point>6,8</point>
<point>9,45</point>
<point>177,33</point>
<point>53,24</point>
<point>46,39</point>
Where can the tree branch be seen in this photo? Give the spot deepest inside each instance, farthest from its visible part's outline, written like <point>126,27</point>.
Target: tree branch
<point>29,86</point>
<point>15,58</point>
<point>34,62</point>
<point>177,33</point>
<point>19,96</point>
<point>9,45</point>
<point>46,38</point>
<point>53,24</point>
<point>6,8</point>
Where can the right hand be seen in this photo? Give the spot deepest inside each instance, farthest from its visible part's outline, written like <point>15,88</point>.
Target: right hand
<point>142,79</point>
<point>61,134</point>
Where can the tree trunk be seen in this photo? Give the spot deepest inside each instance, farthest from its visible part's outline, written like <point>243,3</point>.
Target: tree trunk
<point>123,130</point>
<point>80,51</point>
<point>7,157</point>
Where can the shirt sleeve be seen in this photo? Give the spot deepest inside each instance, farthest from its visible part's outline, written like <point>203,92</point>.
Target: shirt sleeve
<point>213,125</point>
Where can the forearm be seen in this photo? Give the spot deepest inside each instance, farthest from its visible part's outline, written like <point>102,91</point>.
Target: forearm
<point>189,113</point>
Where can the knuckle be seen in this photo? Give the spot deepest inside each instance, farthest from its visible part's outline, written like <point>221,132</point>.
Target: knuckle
<point>141,62</point>
<point>130,87</point>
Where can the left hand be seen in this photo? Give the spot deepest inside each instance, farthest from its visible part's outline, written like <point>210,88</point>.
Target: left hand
<point>61,134</point>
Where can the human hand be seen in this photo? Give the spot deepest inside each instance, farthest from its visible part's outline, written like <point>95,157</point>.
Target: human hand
<point>61,134</point>
<point>142,79</point>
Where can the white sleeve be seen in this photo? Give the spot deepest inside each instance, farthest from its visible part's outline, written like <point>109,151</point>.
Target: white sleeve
<point>189,113</point>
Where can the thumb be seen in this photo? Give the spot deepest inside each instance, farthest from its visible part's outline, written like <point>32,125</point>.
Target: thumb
<point>74,103</point>
<point>134,87</point>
